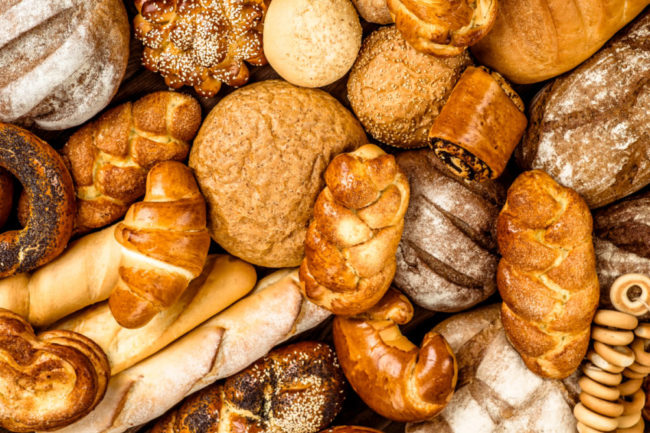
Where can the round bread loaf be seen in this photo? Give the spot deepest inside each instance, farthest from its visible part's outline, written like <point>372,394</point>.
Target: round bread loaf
<point>397,92</point>
<point>259,159</point>
<point>495,390</point>
<point>374,11</point>
<point>62,60</point>
<point>311,43</point>
<point>447,259</point>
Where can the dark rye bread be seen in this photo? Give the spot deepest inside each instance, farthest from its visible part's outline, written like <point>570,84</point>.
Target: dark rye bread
<point>61,60</point>
<point>589,129</point>
<point>447,258</point>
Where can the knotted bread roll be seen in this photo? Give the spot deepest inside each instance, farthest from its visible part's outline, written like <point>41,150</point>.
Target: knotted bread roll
<point>358,221</point>
<point>165,243</point>
<point>547,274</point>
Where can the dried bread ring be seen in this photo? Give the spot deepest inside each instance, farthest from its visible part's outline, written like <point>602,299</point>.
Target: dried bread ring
<point>616,319</point>
<point>636,428</point>
<point>617,355</point>
<point>631,374</point>
<point>585,428</point>
<point>639,368</point>
<point>628,421</point>
<point>608,408</point>
<point>590,386</point>
<point>619,294</point>
<point>643,330</point>
<point>611,336</point>
<point>641,355</point>
<point>594,420</point>
<point>600,362</point>
<point>49,187</point>
<point>630,387</point>
<point>601,376</point>
<point>633,403</point>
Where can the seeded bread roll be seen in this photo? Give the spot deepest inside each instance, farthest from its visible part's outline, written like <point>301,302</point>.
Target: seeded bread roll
<point>397,92</point>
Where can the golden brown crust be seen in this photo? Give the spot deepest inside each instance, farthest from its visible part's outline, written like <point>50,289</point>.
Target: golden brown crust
<point>392,376</point>
<point>109,157</point>
<point>165,244</point>
<point>358,220</point>
<point>48,381</point>
<point>6,195</point>
<point>479,126</point>
<point>547,274</point>
<point>443,28</point>
<point>47,183</point>
<point>201,44</point>
<point>297,389</point>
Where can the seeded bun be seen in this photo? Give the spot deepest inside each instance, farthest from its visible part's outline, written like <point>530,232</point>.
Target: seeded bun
<point>397,92</point>
<point>311,43</point>
<point>259,159</point>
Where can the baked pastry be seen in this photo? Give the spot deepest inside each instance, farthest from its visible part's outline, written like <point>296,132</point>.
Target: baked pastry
<point>221,347</point>
<point>48,381</point>
<point>311,43</point>
<point>443,28</point>
<point>536,40</point>
<point>392,376</point>
<point>547,274</point>
<point>109,157</point>
<point>223,282</point>
<point>49,186</point>
<point>297,388</point>
<point>201,44</point>
<point>259,159</point>
<point>589,129</point>
<point>6,195</point>
<point>396,91</point>
<point>351,242</point>
<point>373,11</point>
<point>479,126</point>
<point>62,61</point>
<point>447,259</point>
<point>495,390</point>
<point>165,243</point>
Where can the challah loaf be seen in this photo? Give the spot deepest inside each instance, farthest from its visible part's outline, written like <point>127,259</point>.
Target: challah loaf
<point>358,221</point>
<point>547,274</point>
<point>109,157</point>
<point>164,241</point>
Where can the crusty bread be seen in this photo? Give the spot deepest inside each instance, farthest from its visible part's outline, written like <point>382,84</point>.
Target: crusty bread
<point>62,60</point>
<point>589,129</point>
<point>547,274</point>
<point>219,348</point>
<point>533,40</point>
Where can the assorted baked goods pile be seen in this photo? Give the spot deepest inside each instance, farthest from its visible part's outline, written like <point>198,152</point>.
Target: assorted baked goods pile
<point>134,238</point>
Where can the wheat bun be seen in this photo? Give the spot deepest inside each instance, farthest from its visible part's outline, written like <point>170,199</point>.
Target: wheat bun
<point>259,159</point>
<point>373,11</point>
<point>397,92</point>
<point>311,43</point>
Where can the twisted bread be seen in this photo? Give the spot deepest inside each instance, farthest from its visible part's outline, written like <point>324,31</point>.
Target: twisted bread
<point>358,220</point>
<point>6,195</point>
<point>443,28</point>
<point>165,243</point>
<point>547,274</point>
<point>109,157</point>
<point>297,389</point>
<point>392,376</point>
<point>48,381</point>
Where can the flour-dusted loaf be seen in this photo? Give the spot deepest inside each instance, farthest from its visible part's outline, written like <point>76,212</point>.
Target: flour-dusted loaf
<point>589,129</point>
<point>447,259</point>
<point>496,393</point>
<point>61,60</point>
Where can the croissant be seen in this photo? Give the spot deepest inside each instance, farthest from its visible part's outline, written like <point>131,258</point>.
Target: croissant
<point>164,242</point>
<point>358,220</point>
<point>441,27</point>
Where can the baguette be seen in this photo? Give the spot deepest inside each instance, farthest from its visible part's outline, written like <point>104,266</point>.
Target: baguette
<point>228,343</point>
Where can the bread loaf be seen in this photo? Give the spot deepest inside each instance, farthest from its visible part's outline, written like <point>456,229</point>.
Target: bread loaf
<point>164,241</point>
<point>223,281</point>
<point>496,393</point>
<point>109,157</point>
<point>62,60</point>
<point>298,388</point>
<point>547,274</point>
<point>589,129</point>
<point>221,347</point>
<point>533,40</point>
<point>447,259</point>
<point>374,11</point>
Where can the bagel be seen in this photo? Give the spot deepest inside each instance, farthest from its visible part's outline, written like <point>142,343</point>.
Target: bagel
<point>6,195</point>
<point>41,171</point>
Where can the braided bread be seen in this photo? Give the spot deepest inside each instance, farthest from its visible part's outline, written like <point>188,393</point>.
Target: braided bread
<point>297,389</point>
<point>547,274</point>
<point>109,157</point>
<point>48,381</point>
<point>165,243</point>
<point>443,28</point>
<point>201,44</point>
<point>358,220</point>
<point>392,376</point>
